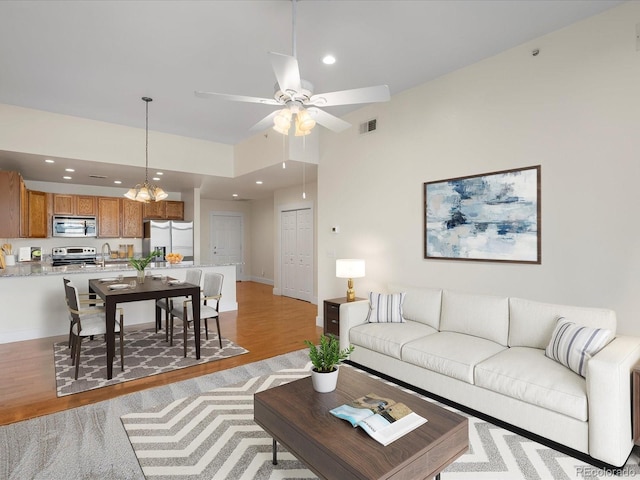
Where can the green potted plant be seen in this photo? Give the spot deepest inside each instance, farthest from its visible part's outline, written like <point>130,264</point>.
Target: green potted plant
<point>141,263</point>
<point>325,359</point>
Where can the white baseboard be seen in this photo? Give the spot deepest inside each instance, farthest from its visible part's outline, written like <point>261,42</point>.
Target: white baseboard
<point>266,281</point>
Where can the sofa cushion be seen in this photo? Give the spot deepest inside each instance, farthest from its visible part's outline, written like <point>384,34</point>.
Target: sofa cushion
<point>532,323</point>
<point>387,338</point>
<point>421,304</point>
<point>449,353</point>
<point>482,316</point>
<point>573,345</point>
<point>528,375</point>
<point>385,307</point>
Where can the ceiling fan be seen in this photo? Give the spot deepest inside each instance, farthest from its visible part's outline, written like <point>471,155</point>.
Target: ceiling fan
<point>297,97</point>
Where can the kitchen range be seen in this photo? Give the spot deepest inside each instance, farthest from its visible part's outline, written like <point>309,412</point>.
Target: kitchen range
<point>73,256</point>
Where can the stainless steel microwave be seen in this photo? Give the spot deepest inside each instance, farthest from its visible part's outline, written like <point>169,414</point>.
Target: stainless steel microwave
<point>74,226</point>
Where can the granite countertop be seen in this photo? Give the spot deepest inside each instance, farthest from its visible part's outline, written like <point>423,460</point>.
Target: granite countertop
<point>26,269</point>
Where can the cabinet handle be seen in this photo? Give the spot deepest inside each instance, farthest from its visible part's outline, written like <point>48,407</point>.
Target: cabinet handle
<point>334,321</point>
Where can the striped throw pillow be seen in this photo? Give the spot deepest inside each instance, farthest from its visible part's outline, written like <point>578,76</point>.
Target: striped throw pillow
<point>385,308</point>
<point>573,345</point>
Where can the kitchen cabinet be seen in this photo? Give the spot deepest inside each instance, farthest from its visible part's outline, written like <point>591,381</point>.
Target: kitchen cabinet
<point>119,218</point>
<point>155,210</point>
<point>108,217</point>
<point>81,205</point>
<point>38,224</point>
<point>63,204</point>
<point>24,210</point>
<point>11,185</point>
<point>164,210</point>
<point>174,210</point>
<point>132,218</point>
<point>85,205</point>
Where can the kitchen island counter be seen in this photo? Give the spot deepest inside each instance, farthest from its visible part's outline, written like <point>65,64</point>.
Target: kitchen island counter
<point>27,269</point>
<point>34,300</point>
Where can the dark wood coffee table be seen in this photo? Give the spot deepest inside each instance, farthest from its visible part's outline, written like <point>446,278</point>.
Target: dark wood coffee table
<point>298,417</point>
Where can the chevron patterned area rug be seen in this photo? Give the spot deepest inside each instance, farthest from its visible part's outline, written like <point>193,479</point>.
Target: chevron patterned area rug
<point>212,435</point>
<point>145,353</point>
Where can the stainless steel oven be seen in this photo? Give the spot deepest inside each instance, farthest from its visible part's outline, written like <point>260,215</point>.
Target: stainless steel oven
<point>74,226</point>
<point>73,256</point>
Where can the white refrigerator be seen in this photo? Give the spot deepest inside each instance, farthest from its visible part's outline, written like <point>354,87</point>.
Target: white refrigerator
<point>168,236</point>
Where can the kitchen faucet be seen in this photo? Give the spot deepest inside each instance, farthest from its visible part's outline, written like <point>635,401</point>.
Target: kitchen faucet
<point>106,244</point>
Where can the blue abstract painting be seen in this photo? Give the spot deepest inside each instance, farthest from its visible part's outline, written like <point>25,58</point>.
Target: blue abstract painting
<point>493,217</point>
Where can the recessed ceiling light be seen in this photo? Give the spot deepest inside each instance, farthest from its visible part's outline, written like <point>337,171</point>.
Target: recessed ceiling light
<point>66,177</point>
<point>159,173</point>
<point>69,170</point>
<point>329,60</point>
<point>259,182</point>
<point>155,179</point>
<point>234,195</point>
<point>48,160</point>
<point>117,181</point>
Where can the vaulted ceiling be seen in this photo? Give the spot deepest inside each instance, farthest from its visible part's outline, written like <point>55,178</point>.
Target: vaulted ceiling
<point>95,59</point>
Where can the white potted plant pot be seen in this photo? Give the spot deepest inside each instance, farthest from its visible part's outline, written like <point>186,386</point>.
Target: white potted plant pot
<point>324,382</point>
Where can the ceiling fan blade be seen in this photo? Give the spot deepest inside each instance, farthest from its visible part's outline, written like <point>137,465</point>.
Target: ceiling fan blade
<point>379,93</point>
<point>287,72</point>
<point>327,120</point>
<point>236,98</point>
<point>265,123</point>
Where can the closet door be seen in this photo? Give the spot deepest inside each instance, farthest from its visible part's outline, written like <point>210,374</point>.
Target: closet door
<point>289,253</point>
<point>304,254</point>
<point>297,253</point>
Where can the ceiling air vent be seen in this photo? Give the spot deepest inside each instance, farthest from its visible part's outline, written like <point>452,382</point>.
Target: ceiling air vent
<point>97,176</point>
<point>368,127</point>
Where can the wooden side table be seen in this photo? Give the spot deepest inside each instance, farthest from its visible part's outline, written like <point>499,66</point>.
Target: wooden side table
<point>332,315</point>
<point>635,402</point>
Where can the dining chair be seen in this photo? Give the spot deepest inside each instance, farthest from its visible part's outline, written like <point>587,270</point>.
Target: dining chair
<point>85,300</point>
<point>212,292</point>
<point>193,277</point>
<point>88,322</point>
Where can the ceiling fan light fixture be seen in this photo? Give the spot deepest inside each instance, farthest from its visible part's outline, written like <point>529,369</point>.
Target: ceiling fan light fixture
<point>304,123</point>
<point>282,121</point>
<point>146,192</point>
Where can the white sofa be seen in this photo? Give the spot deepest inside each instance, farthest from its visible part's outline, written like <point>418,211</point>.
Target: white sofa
<point>488,353</point>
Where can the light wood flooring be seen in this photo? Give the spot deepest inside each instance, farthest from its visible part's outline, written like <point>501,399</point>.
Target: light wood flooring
<point>264,324</point>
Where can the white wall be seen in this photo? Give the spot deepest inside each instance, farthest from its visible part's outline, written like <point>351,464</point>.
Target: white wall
<point>262,238</point>
<point>574,109</point>
<point>39,132</point>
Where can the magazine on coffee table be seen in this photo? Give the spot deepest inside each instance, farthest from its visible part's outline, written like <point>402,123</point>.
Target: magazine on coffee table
<point>382,418</point>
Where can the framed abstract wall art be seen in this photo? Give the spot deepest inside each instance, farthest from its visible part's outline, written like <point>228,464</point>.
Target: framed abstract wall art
<point>490,217</point>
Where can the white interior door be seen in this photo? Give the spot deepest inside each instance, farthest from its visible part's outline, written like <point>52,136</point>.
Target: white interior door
<point>297,253</point>
<point>304,254</point>
<point>226,241</point>
<point>288,254</point>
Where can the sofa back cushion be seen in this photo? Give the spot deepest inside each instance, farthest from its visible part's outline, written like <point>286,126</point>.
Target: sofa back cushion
<point>421,304</point>
<point>482,316</point>
<point>532,323</point>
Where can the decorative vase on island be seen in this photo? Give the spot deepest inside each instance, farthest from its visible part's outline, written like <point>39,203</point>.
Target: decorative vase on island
<point>140,276</point>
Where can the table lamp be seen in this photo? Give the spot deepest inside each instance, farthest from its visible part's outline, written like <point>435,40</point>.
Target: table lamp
<point>350,268</point>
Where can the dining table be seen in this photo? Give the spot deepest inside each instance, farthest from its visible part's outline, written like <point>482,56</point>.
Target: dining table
<point>115,291</point>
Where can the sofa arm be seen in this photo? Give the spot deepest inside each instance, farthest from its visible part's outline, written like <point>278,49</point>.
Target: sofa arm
<point>609,397</point>
<point>351,314</point>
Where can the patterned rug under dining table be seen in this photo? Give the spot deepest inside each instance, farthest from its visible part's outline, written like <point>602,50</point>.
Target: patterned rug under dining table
<point>151,289</point>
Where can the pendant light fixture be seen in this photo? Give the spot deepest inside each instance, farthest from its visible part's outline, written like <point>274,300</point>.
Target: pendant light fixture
<point>146,192</point>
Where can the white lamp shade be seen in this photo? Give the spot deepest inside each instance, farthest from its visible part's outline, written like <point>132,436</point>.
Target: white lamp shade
<point>349,268</point>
